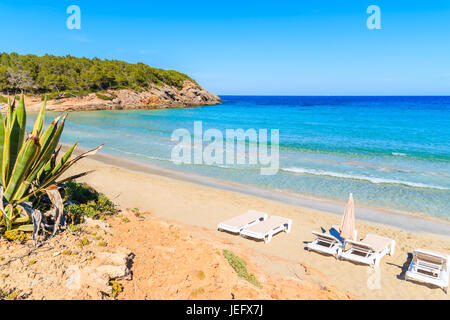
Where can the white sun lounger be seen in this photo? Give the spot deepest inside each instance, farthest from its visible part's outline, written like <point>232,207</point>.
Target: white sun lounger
<point>429,267</point>
<point>266,229</point>
<point>369,251</point>
<point>236,224</point>
<point>326,243</point>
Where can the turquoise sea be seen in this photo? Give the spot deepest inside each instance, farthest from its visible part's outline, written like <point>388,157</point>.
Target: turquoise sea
<point>390,152</point>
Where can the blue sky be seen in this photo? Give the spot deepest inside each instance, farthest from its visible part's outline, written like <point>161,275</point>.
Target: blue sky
<point>252,47</point>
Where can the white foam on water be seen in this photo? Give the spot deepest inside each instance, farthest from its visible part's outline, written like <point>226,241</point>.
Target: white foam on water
<point>360,177</point>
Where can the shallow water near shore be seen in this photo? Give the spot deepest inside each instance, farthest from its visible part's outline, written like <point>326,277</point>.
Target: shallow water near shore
<point>390,152</point>
<point>406,221</point>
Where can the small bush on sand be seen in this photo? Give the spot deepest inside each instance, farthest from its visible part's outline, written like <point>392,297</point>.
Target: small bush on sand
<point>83,242</point>
<point>196,292</point>
<point>116,287</point>
<point>200,275</point>
<point>102,244</point>
<point>76,216</point>
<point>15,234</point>
<point>74,228</point>
<point>240,266</point>
<point>93,209</point>
<point>80,192</point>
<point>10,295</point>
<point>87,202</point>
<point>123,218</point>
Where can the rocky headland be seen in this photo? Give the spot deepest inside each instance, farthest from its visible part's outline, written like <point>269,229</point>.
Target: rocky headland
<point>157,97</point>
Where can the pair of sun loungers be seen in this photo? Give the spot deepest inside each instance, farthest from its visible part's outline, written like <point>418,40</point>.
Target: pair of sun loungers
<point>426,266</point>
<point>368,251</point>
<point>257,225</point>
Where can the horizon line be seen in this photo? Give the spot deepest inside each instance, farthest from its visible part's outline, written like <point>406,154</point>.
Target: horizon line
<point>294,95</point>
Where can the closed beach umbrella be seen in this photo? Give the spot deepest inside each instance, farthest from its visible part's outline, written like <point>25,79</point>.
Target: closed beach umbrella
<point>348,220</point>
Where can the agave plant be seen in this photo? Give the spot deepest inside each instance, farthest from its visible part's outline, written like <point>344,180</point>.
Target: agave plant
<point>30,166</point>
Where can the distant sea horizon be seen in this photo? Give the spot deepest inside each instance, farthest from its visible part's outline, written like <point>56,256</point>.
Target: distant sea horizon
<point>335,96</point>
<point>391,152</point>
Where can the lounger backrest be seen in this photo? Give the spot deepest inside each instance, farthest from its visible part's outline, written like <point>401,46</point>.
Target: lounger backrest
<point>378,243</point>
<point>361,246</point>
<point>269,224</point>
<point>326,237</point>
<point>430,257</point>
<point>243,219</point>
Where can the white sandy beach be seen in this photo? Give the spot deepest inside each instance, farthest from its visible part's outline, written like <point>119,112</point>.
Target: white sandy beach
<point>203,206</point>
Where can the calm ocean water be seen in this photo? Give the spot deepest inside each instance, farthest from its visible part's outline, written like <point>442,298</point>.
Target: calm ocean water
<point>391,152</point>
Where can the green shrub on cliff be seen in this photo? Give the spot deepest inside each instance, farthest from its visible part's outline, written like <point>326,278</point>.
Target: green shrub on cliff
<point>105,96</point>
<point>50,74</point>
<point>66,94</point>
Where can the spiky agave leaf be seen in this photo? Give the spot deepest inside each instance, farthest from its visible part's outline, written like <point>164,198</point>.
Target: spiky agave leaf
<point>47,137</point>
<point>39,124</point>
<point>2,141</point>
<point>70,163</point>
<point>16,135</point>
<point>2,207</point>
<point>52,178</point>
<point>64,158</point>
<point>9,210</point>
<point>48,142</point>
<point>6,144</point>
<point>53,143</point>
<point>26,228</point>
<point>21,118</point>
<point>25,160</point>
<point>45,170</point>
<point>10,111</point>
<point>30,164</point>
<point>22,220</point>
<point>75,176</point>
<point>51,168</point>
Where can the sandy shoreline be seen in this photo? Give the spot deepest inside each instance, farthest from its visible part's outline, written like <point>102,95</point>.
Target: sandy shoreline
<point>203,206</point>
<point>414,222</point>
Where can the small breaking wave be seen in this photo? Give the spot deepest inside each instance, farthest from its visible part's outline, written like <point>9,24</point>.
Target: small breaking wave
<point>135,154</point>
<point>359,177</point>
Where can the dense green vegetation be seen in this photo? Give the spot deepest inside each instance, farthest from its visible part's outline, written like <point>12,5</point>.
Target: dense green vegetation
<point>86,201</point>
<point>78,76</point>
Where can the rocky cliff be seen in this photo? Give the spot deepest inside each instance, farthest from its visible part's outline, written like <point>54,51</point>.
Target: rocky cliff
<point>189,95</point>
